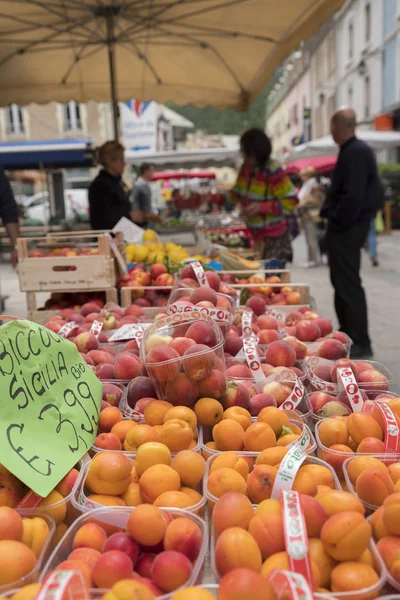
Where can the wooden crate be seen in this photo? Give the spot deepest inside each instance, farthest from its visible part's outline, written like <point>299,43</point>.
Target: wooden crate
<point>67,273</point>
<point>41,316</point>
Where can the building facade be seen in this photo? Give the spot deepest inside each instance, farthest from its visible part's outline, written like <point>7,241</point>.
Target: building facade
<point>323,75</point>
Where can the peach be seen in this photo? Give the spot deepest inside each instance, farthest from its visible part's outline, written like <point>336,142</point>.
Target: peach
<point>325,326</point>
<point>127,366</point>
<point>280,354</point>
<point>147,525</point>
<point>236,548</point>
<point>11,525</point>
<point>213,385</point>
<point>176,434</point>
<point>77,565</point>
<point>242,584</point>
<point>203,294</point>
<point>111,393</point>
<point>104,371</point>
<point>100,357</point>
<point>346,535</point>
<point>156,480</point>
<point>225,480</point>
<point>181,391</point>
<point>190,467</point>
<point>233,509</point>
<point>278,390</point>
<point>373,380</point>
<point>208,411</point>
<point>183,535</point>
<point>343,363</point>
<point>16,561</point>
<point>307,331</point>
<point>260,483</point>
<point>198,361</point>
<point>319,399</point>
<point>86,341</point>
<point>140,387</point>
<point>231,460</point>
<point>237,394</point>
<point>141,434</point>
<point>267,530</point>
<point>350,577</point>
<point>228,434</point>
<point>89,556</point>
<point>256,304</point>
<point>324,562</point>
<point>109,473</point>
<point>66,484</point>
<point>109,417</point>
<point>260,401</point>
<point>373,486</point>
<point>90,535</point>
<point>239,371</point>
<point>202,333</point>
<point>144,564</point>
<point>107,441</point>
<point>361,425</point>
<point>11,490</point>
<point>299,347</point>
<point>111,567</point>
<point>267,322</point>
<point>162,363</point>
<point>124,543</point>
<point>331,349</point>
<point>267,336</point>
<point>170,570</point>
<point>180,344</point>
<point>258,437</point>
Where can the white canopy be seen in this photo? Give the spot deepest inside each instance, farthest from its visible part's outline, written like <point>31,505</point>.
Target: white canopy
<point>187,158</point>
<point>325,146</point>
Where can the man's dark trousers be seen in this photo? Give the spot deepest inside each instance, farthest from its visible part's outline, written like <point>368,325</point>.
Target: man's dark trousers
<point>344,252</point>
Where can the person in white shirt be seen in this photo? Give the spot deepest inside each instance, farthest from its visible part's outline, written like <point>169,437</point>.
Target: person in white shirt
<point>310,201</point>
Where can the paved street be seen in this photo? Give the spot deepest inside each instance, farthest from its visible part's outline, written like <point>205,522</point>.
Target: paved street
<point>382,285</point>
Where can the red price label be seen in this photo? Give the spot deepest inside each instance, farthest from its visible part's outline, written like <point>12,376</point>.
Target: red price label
<point>348,383</point>
<point>289,585</point>
<point>392,432</point>
<point>252,358</point>
<point>96,328</point>
<point>200,275</point>
<point>296,540</point>
<point>295,397</point>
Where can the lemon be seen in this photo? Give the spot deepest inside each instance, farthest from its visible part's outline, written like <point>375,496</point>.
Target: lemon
<point>141,253</point>
<point>149,236</point>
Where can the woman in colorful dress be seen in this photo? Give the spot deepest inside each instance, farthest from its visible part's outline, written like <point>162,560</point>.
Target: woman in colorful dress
<point>267,197</point>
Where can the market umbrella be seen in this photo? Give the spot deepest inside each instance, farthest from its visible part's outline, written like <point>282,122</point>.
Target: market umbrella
<point>205,52</point>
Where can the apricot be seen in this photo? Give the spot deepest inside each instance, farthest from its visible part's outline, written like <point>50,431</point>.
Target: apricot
<point>389,549</point>
<point>228,434</point>
<point>77,565</point>
<point>275,418</point>
<point>333,431</point>
<point>90,535</point>
<point>391,514</point>
<point>346,535</point>
<point>147,525</point>
<point>336,455</point>
<point>109,473</point>
<point>67,483</point>
<point>287,439</point>
<point>324,562</point>
<point>304,483</point>
<point>225,480</point>
<point>269,506</point>
<point>157,480</point>
<point>183,413</point>
<point>150,454</point>
<point>54,506</point>
<point>239,414</point>
<point>271,456</point>
<point>394,472</point>
<point>236,548</point>
<point>193,494</point>
<point>106,500</point>
<point>362,425</point>
<point>192,593</point>
<point>121,429</point>
<point>129,588</point>
<point>110,568</point>
<point>373,486</point>
<point>243,584</point>
<point>28,592</point>
<point>280,560</point>
<point>190,467</point>
<point>260,483</point>
<point>107,441</point>
<point>109,417</point>
<point>16,561</point>
<point>155,410</point>
<point>371,445</point>
<point>205,453</point>
<point>87,555</point>
<point>184,535</point>
<point>35,534</point>
<point>173,500</point>
<point>59,533</point>
<point>230,460</point>
<point>233,509</point>
<point>208,411</point>
<point>132,496</point>
<point>338,501</point>
<point>321,475</point>
<point>140,435</point>
<point>379,528</point>
<point>11,525</point>
<point>352,577</point>
<point>361,463</point>
<point>267,530</point>
<point>176,434</point>
<point>258,437</point>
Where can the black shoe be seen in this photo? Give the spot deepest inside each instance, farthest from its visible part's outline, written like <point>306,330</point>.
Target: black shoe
<point>358,352</point>
<point>374,262</point>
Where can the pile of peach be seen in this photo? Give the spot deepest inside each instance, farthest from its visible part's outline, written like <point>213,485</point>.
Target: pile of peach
<point>55,505</point>
<point>157,550</point>
<point>340,437</point>
<point>385,523</point>
<point>236,431</point>
<point>263,295</point>
<point>173,426</point>
<point>113,479</point>
<point>323,375</point>
<point>373,480</point>
<point>255,478</point>
<point>22,541</point>
<point>185,365</point>
<point>187,278</point>
<point>339,539</point>
<point>202,297</point>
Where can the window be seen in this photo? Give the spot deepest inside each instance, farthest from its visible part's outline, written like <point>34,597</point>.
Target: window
<point>367,97</point>
<point>72,116</point>
<point>351,40</point>
<point>350,96</point>
<point>367,22</point>
<point>14,120</point>
<point>295,115</point>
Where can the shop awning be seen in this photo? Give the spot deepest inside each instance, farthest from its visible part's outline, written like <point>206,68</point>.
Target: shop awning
<point>195,174</point>
<point>321,164</point>
<point>175,159</point>
<point>49,154</point>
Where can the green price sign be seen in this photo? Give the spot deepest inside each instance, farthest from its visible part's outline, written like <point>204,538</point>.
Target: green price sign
<point>50,403</point>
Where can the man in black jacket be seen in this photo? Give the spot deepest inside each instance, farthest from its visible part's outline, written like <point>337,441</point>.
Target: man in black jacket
<point>352,201</point>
